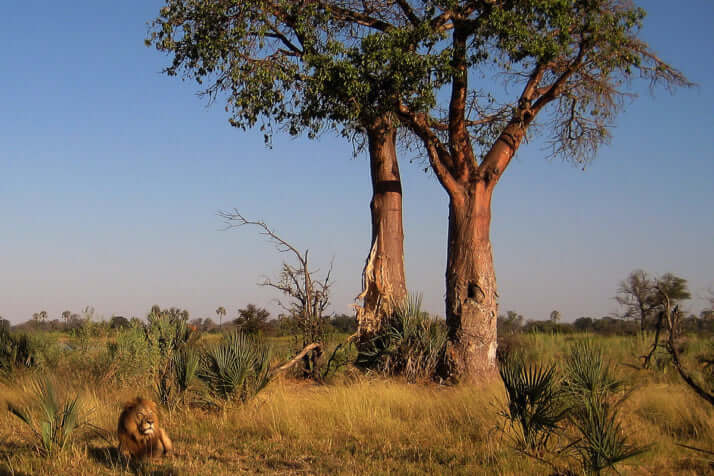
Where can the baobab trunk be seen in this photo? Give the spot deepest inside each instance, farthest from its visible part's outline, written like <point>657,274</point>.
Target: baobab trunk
<point>471,296</point>
<point>383,277</point>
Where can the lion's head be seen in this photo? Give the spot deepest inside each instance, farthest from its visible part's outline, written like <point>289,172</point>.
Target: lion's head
<point>146,416</point>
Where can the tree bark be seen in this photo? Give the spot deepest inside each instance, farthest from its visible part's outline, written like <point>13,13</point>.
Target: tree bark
<point>471,296</point>
<point>383,277</point>
<point>471,291</point>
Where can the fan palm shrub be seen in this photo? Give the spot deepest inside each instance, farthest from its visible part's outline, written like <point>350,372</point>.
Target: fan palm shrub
<point>534,409</point>
<point>594,394</point>
<point>186,365</point>
<point>236,368</point>
<point>570,416</point>
<point>53,421</point>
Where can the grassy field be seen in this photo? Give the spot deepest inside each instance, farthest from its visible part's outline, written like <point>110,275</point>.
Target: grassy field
<point>355,424</point>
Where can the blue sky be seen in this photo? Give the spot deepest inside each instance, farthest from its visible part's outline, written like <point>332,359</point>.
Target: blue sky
<point>111,175</point>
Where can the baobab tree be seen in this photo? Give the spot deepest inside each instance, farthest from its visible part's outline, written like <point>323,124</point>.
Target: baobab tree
<point>569,63</point>
<point>259,54</point>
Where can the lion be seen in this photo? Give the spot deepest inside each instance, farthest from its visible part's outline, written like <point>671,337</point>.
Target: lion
<point>139,432</point>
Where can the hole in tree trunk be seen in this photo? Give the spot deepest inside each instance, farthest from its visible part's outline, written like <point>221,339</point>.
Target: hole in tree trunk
<point>475,292</point>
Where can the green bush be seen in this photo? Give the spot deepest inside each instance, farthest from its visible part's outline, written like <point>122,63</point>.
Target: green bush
<point>15,351</point>
<point>131,355</point>
<point>534,409</point>
<point>579,409</point>
<point>595,393</point>
<point>54,422</point>
<point>412,344</point>
<point>173,384</point>
<point>236,368</point>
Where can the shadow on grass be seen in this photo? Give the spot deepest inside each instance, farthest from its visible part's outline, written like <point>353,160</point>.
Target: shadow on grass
<point>7,451</point>
<point>7,471</point>
<point>110,458</point>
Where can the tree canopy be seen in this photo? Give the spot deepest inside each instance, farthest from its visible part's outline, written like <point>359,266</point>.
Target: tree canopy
<point>308,64</point>
<point>301,64</point>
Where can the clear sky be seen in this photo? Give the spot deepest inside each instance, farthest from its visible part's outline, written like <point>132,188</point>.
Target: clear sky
<point>111,175</point>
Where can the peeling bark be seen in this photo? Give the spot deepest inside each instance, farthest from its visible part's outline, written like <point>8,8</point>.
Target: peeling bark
<point>471,296</point>
<point>383,281</point>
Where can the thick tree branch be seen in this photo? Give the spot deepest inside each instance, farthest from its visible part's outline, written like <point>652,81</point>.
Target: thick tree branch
<point>436,152</point>
<point>459,140</point>
<point>409,12</point>
<point>359,18</point>
<point>556,88</point>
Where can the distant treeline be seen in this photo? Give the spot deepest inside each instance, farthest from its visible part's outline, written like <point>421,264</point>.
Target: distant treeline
<point>514,323</point>
<point>251,319</point>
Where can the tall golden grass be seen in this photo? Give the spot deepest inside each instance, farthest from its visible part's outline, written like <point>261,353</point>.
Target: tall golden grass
<point>364,425</point>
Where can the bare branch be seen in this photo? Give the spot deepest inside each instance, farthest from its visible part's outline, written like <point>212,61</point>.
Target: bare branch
<point>235,219</point>
<point>297,358</point>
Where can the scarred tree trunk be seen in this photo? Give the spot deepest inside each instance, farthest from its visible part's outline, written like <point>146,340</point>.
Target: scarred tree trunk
<point>471,297</point>
<point>471,291</point>
<point>383,277</point>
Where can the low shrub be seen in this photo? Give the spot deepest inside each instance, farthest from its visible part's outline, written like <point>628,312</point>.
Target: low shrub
<point>411,345</point>
<point>16,351</point>
<point>236,368</point>
<point>578,407</point>
<point>53,421</point>
<point>534,408</point>
<point>595,394</point>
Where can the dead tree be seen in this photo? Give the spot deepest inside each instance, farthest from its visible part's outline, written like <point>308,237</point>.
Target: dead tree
<point>308,297</point>
<point>673,317</point>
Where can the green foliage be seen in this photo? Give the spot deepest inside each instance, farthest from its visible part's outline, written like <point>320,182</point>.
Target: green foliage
<point>15,351</point>
<point>510,323</point>
<point>603,442</point>
<point>186,365</point>
<point>236,368</point>
<point>119,322</point>
<point>297,64</point>
<point>534,406</point>
<point>580,407</point>
<point>592,389</point>
<point>304,64</point>
<point>130,357</point>
<point>252,319</point>
<point>344,323</point>
<point>412,344</point>
<point>86,328</point>
<point>170,341</point>
<point>588,374</point>
<point>167,332</point>
<point>53,421</point>
<point>173,385</point>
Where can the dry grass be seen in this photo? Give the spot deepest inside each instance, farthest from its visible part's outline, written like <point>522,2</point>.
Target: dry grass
<point>362,426</point>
